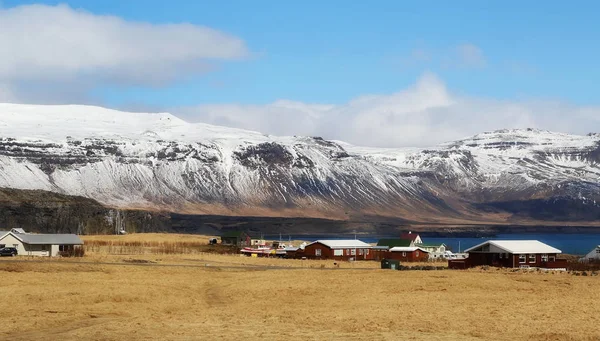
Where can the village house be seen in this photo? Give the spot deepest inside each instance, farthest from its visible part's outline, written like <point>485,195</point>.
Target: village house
<point>434,250</point>
<point>338,250</point>
<point>408,254</point>
<point>511,254</point>
<point>236,238</point>
<point>410,239</point>
<point>592,256</point>
<point>30,244</point>
<point>414,237</point>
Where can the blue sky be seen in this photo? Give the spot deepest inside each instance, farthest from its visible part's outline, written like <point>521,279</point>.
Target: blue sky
<point>332,51</point>
<point>336,51</point>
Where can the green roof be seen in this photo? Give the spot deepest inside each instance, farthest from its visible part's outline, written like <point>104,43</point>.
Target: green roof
<point>394,242</point>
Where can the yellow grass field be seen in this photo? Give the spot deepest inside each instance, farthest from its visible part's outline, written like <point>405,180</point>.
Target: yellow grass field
<point>227,297</point>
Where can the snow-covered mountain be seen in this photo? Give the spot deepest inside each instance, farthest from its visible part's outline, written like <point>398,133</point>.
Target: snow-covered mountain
<point>160,162</point>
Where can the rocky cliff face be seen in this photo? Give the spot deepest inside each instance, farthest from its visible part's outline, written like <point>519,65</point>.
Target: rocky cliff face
<point>47,212</point>
<point>157,162</point>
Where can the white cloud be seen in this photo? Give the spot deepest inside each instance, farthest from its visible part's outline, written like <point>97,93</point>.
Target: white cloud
<point>423,115</point>
<point>58,44</point>
<point>469,55</point>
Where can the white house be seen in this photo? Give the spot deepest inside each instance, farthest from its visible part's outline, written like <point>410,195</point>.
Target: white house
<point>592,256</point>
<point>29,244</point>
<point>434,250</point>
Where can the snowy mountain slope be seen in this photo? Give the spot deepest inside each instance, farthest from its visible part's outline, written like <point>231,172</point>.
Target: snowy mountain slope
<point>157,161</point>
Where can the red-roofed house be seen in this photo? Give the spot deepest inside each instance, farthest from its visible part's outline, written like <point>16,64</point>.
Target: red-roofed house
<point>414,237</point>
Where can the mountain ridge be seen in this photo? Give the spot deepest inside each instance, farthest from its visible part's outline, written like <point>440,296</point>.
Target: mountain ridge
<point>160,162</point>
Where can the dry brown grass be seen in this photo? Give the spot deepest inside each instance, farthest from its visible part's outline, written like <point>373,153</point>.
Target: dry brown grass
<point>71,301</point>
<point>150,243</point>
<point>193,295</point>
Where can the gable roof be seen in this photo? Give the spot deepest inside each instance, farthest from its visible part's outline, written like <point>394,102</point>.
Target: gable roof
<point>409,236</point>
<point>46,239</point>
<point>519,246</point>
<point>394,242</point>
<point>406,249</point>
<point>2,233</point>
<point>342,244</point>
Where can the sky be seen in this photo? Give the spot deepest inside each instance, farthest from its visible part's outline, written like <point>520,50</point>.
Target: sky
<point>381,73</point>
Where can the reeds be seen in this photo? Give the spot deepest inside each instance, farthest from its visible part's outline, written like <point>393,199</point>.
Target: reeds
<point>151,247</point>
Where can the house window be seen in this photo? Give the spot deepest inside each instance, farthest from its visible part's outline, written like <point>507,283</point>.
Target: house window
<point>417,253</point>
<point>552,258</point>
<point>531,258</point>
<point>403,254</point>
<point>360,252</point>
<point>598,250</point>
<point>348,252</point>
<point>65,248</point>
<point>367,252</point>
<point>353,252</point>
<point>44,247</point>
<point>522,259</point>
<point>317,252</point>
<point>544,258</point>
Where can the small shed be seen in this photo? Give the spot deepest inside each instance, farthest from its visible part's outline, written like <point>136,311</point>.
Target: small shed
<point>390,264</point>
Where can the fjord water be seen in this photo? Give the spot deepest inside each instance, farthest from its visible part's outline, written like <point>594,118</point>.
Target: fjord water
<point>569,243</point>
<point>574,244</point>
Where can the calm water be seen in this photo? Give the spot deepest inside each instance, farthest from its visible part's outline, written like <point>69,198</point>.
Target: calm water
<point>576,243</point>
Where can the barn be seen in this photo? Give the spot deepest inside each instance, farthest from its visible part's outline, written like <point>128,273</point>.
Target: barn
<point>511,254</point>
<point>408,254</point>
<point>349,249</point>
<point>30,244</point>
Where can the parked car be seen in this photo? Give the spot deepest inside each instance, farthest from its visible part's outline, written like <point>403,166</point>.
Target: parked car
<point>8,251</point>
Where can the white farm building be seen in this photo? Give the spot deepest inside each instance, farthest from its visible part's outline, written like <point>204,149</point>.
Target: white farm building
<point>30,244</point>
<point>592,256</point>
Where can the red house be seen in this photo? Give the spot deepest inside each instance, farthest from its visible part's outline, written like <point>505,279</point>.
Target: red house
<point>338,250</point>
<point>511,254</point>
<point>408,254</point>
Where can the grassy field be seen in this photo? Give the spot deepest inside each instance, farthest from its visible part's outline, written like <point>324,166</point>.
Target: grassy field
<point>179,297</point>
